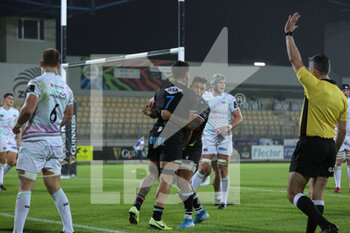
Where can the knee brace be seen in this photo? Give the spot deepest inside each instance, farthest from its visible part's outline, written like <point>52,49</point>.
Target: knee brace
<point>207,161</point>
<point>28,175</point>
<point>222,162</point>
<point>347,153</point>
<point>52,172</point>
<point>188,165</point>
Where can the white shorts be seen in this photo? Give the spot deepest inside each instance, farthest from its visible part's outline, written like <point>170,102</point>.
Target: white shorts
<point>8,144</point>
<point>40,152</point>
<point>346,144</point>
<point>215,145</point>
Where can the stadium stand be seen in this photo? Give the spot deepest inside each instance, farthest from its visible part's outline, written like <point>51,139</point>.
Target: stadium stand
<point>121,118</point>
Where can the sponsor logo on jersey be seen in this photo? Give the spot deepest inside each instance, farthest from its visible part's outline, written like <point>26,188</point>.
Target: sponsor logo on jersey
<point>173,90</point>
<point>222,148</point>
<point>205,149</point>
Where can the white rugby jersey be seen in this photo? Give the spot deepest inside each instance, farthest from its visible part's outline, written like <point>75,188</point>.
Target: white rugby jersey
<point>221,108</point>
<point>54,96</point>
<point>8,119</point>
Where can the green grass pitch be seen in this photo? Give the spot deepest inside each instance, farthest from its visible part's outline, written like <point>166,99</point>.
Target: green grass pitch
<point>263,204</point>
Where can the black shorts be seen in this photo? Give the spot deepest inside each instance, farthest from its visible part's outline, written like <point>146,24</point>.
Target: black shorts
<point>169,150</point>
<point>314,156</point>
<point>192,153</point>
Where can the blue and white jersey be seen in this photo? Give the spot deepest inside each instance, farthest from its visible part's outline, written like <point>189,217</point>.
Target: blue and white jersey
<point>8,119</point>
<point>221,108</point>
<point>54,97</point>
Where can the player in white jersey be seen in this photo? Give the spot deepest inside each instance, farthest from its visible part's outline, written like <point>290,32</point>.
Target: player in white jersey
<point>217,138</point>
<point>8,144</point>
<point>48,107</point>
<point>344,151</point>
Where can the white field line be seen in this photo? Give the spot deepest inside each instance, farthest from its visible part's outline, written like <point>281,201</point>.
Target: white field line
<point>59,223</point>
<point>234,187</point>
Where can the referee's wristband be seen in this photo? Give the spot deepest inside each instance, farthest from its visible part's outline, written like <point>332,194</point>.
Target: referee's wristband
<point>18,126</point>
<point>290,33</point>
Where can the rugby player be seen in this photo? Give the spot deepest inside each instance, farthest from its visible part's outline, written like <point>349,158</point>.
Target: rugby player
<point>8,144</point>
<point>192,152</point>
<point>344,151</point>
<point>48,106</point>
<point>217,138</point>
<point>165,147</point>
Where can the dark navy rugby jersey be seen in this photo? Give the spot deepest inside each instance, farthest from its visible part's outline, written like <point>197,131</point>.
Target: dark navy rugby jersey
<point>203,115</point>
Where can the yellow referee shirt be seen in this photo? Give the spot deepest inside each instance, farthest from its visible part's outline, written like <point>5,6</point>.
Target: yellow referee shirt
<point>324,104</point>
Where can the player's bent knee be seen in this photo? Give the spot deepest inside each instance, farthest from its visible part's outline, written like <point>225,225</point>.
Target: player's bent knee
<point>50,172</point>
<point>26,174</point>
<point>205,168</point>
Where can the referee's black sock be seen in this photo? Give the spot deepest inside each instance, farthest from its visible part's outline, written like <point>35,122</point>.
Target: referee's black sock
<point>307,206</point>
<point>312,225</point>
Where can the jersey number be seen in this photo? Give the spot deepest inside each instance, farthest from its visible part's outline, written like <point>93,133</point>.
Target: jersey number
<point>53,115</point>
<point>170,97</point>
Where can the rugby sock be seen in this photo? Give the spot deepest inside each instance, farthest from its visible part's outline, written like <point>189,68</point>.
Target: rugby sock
<point>63,208</point>
<point>311,225</point>
<point>349,175</point>
<point>197,180</point>
<point>2,173</point>
<point>307,207</point>
<point>187,199</point>
<point>21,210</point>
<point>225,186</point>
<point>157,213</point>
<point>138,201</point>
<point>337,176</point>
<point>197,204</point>
<point>217,196</point>
<point>6,168</point>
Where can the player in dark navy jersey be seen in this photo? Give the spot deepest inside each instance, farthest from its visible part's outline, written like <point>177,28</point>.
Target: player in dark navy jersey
<point>192,153</point>
<point>166,141</point>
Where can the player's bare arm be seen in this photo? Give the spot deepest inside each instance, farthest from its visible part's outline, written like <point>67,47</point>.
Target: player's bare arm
<point>339,139</point>
<point>292,50</point>
<point>19,139</point>
<point>26,112</point>
<point>67,115</point>
<point>236,120</point>
<point>187,138</point>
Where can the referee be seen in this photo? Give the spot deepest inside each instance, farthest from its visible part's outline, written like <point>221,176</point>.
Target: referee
<point>314,156</point>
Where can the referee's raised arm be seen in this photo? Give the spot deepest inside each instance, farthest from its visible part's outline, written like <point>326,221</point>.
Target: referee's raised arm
<point>293,52</point>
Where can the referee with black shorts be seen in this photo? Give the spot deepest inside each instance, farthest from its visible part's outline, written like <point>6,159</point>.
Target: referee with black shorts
<point>314,156</point>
